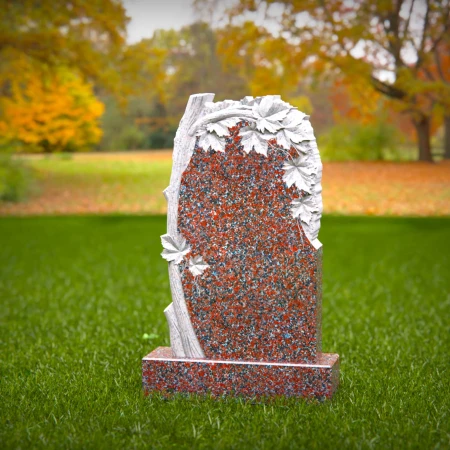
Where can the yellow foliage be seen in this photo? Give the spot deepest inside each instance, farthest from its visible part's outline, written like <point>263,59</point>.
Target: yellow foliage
<point>269,64</point>
<point>53,111</point>
<point>85,35</point>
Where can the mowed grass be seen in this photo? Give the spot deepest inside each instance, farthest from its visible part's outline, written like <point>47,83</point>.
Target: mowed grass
<point>78,293</point>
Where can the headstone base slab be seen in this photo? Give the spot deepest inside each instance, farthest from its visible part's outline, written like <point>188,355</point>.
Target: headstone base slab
<point>166,374</point>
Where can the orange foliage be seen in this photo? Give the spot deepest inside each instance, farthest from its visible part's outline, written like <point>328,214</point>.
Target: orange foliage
<point>50,111</point>
<point>268,64</point>
<point>353,100</point>
<point>84,35</point>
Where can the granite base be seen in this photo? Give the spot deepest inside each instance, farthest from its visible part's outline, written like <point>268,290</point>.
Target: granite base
<point>163,373</point>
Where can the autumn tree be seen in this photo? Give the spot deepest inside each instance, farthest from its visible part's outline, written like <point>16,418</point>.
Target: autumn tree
<point>261,59</point>
<point>50,54</point>
<point>85,35</point>
<point>436,79</point>
<point>49,111</point>
<point>384,43</point>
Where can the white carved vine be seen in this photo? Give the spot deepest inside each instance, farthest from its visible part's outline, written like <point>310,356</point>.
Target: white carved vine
<point>183,339</point>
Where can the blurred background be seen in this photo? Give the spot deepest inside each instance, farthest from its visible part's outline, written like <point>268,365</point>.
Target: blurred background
<point>92,91</point>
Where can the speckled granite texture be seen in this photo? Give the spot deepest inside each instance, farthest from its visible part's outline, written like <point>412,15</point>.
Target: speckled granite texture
<point>261,298</point>
<point>167,375</point>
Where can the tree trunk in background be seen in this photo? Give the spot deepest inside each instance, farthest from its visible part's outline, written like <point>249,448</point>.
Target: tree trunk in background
<point>446,137</point>
<point>423,138</point>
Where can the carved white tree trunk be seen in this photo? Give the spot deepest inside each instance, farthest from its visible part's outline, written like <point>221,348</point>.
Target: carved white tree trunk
<point>184,342</point>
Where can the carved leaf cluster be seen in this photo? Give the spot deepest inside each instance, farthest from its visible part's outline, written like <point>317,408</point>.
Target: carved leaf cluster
<point>268,118</point>
<point>254,140</point>
<point>269,113</point>
<point>212,141</point>
<point>296,129</point>
<point>221,128</point>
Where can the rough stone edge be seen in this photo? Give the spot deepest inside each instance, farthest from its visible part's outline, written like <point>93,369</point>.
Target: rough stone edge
<point>319,274</point>
<point>181,329</point>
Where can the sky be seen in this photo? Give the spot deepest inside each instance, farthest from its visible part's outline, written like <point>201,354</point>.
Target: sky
<point>150,15</point>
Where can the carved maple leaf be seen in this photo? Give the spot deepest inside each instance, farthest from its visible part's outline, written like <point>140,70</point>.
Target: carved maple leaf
<point>298,172</point>
<point>174,248</point>
<point>252,139</point>
<point>221,128</point>
<point>295,129</point>
<point>211,140</point>
<point>269,113</point>
<point>197,265</point>
<point>304,208</point>
<point>293,119</point>
<point>283,140</point>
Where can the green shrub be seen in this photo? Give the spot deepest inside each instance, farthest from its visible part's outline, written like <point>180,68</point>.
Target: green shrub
<point>16,179</point>
<point>350,141</point>
<point>161,139</point>
<point>131,138</point>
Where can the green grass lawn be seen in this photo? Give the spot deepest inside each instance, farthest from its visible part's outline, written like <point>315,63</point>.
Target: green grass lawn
<point>78,293</point>
<point>145,177</point>
<point>109,185</point>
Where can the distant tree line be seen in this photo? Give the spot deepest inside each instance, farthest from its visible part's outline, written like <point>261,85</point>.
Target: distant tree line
<point>375,70</point>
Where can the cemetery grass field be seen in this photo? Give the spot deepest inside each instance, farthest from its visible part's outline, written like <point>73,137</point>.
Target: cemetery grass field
<point>78,293</point>
<point>132,182</point>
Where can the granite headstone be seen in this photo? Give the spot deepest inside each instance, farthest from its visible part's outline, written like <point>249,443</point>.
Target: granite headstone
<point>245,262</point>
